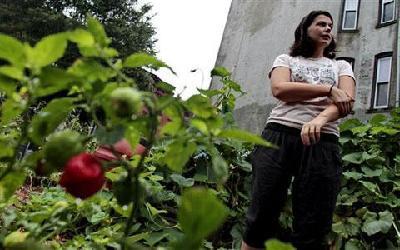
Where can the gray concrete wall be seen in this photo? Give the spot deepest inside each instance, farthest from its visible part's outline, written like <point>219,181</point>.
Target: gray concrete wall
<point>258,31</point>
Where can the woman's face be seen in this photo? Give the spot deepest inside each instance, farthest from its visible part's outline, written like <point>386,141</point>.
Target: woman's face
<point>320,30</point>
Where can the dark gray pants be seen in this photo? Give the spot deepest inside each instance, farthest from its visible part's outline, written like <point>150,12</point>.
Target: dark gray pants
<point>316,170</point>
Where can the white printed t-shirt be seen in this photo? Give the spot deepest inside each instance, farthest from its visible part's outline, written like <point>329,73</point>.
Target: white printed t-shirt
<point>313,71</point>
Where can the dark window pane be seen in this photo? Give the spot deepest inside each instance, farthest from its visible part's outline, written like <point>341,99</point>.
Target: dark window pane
<point>388,12</point>
<point>350,20</point>
<point>381,94</point>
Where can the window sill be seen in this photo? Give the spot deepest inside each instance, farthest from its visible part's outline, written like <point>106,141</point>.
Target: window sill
<point>380,25</point>
<point>349,31</point>
<point>378,110</point>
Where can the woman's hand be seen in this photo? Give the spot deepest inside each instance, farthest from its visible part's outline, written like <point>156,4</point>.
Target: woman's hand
<point>311,131</point>
<point>343,101</point>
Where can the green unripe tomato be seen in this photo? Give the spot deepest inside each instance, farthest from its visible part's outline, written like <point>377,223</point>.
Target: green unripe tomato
<point>125,101</point>
<point>15,238</point>
<point>60,147</point>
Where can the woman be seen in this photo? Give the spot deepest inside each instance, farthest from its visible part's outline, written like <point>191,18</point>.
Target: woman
<point>314,91</point>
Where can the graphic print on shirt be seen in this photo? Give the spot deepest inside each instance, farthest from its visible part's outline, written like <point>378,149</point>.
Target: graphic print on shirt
<point>314,74</point>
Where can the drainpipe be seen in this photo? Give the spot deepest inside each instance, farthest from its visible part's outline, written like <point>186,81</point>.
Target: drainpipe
<point>398,57</point>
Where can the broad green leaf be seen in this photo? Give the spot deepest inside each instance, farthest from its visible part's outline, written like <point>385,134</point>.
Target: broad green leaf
<point>377,119</point>
<point>278,245</point>
<point>166,87</point>
<point>244,136</point>
<point>7,85</point>
<point>12,108</point>
<point>81,37</point>
<point>200,124</point>
<point>6,145</point>
<point>371,173</point>
<point>182,181</point>
<point>383,224</point>
<point>138,60</point>
<point>200,213</point>
<point>12,72</point>
<point>355,158</point>
<point>109,136</point>
<point>353,244</point>
<point>10,183</point>
<point>384,130</point>
<point>12,50</point>
<point>349,227</point>
<point>53,80</point>
<point>349,124</point>
<point>48,50</point>
<point>200,106</point>
<point>371,187</point>
<point>98,32</point>
<point>210,92</point>
<point>220,71</point>
<point>155,237</point>
<point>220,167</point>
<point>91,71</point>
<point>47,120</point>
<point>178,153</point>
<point>175,124</point>
<point>353,175</point>
<point>15,238</point>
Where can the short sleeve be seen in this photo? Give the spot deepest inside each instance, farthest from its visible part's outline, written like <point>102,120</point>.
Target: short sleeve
<point>345,69</point>
<point>280,61</point>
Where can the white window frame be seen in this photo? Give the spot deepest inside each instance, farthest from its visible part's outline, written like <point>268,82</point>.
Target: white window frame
<point>383,2</point>
<point>376,82</point>
<point>346,9</point>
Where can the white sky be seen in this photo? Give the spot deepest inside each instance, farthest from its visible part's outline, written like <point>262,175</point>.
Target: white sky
<point>189,34</point>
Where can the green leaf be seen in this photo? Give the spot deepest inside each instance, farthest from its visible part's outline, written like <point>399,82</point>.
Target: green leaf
<point>200,106</point>
<point>12,108</point>
<point>47,120</point>
<point>179,148</point>
<point>7,85</point>
<point>371,173</point>
<point>372,226</point>
<point>166,87</point>
<point>353,175</point>
<point>355,158</point>
<point>278,245</point>
<point>12,50</point>
<point>200,213</point>
<point>10,183</point>
<point>12,72</point>
<point>220,71</point>
<point>353,244</point>
<point>182,181</point>
<point>384,130</point>
<point>138,60</point>
<point>53,80</point>
<point>6,145</point>
<point>210,92</point>
<point>349,124</point>
<point>109,136</point>
<point>244,136</point>
<point>91,71</point>
<point>98,32</point>
<point>378,119</point>
<point>48,50</point>
<point>220,167</point>
<point>371,187</point>
<point>81,37</point>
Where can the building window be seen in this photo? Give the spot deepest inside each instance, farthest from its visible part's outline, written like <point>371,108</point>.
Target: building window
<point>383,68</point>
<point>387,11</point>
<point>347,59</point>
<point>350,15</point>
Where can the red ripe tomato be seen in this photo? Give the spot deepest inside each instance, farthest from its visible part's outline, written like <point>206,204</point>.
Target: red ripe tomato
<point>82,176</point>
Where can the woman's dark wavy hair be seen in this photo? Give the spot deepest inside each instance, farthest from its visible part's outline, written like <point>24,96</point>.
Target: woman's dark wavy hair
<point>303,45</point>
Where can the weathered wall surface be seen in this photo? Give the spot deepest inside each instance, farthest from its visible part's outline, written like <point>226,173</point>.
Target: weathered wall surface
<point>258,31</point>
